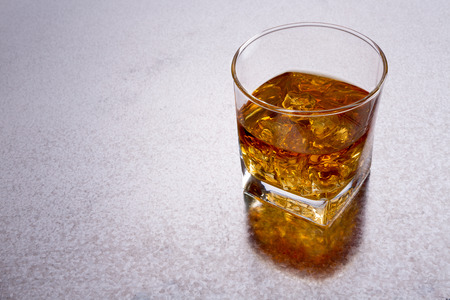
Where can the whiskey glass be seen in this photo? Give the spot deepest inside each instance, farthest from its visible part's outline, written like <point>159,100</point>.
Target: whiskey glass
<point>306,101</point>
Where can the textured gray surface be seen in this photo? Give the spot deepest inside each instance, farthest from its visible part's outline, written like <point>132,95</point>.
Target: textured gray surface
<point>120,176</point>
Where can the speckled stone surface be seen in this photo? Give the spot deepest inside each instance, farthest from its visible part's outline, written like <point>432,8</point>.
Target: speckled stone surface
<point>120,175</point>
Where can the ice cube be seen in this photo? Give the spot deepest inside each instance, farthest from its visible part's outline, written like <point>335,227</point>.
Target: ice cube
<point>265,129</point>
<point>341,136</point>
<point>299,101</point>
<point>270,93</point>
<point>323,126</point>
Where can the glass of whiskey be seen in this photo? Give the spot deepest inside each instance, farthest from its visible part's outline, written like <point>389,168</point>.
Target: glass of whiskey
<point>306,101</point>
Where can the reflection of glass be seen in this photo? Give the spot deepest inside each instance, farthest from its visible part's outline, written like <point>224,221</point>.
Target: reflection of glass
<point>306,100</point>
<point>298,243</point>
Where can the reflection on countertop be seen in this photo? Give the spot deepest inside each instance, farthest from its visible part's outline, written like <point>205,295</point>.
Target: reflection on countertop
<point>302,246</point>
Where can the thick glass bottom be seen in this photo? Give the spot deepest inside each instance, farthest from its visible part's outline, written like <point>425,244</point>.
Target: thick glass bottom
<point>322,212</point>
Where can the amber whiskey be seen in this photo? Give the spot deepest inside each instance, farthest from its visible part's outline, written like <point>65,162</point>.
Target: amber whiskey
<point>314,154</point>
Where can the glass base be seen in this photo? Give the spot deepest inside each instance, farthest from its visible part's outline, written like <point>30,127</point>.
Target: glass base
<point>322,212</point>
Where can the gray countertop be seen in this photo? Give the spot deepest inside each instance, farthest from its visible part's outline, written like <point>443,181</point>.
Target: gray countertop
<point>120,174</point>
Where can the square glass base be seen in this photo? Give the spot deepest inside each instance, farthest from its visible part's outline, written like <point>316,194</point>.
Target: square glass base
<point>322,212</point>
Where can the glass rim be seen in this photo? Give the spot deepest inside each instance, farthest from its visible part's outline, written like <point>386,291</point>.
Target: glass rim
<point>372,94</point>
